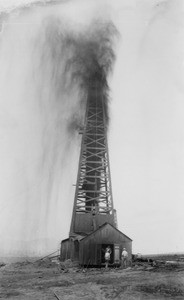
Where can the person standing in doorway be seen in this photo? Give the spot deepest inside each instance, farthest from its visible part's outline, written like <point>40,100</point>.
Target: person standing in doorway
<point>107,256</point>
<point>124,258</point>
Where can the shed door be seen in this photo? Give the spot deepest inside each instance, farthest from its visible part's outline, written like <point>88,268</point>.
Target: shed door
<point>104,246</point>
<point>116,253</point>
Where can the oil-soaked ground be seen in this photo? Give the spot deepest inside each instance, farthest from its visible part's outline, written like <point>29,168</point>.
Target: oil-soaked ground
<point>50,280</point>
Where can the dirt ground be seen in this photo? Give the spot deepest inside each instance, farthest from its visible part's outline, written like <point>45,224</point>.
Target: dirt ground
<point>46,279</point>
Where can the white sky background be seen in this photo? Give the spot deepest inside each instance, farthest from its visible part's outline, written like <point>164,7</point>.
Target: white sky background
<point>146,139</point>
<point>147,136</point>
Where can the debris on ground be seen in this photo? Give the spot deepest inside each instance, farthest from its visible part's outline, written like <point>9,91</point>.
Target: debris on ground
<point>45,263</point>
<point>49,278</point>
<point>2,264</point>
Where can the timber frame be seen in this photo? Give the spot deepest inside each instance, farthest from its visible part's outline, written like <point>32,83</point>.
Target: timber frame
<point>93,195</point>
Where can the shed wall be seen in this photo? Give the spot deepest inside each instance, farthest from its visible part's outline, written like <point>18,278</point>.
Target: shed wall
<point>65,250</point>
<point>69,250</point>
<point>90,247</point>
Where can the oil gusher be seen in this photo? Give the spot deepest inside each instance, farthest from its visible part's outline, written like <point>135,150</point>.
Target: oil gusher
<point>94,222</point>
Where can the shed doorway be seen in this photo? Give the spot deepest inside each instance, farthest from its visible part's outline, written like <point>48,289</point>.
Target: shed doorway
<point>104,246</point>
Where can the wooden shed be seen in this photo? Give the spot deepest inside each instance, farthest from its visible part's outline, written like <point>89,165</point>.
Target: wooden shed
<point>70,248</point>
<point>92,247</point>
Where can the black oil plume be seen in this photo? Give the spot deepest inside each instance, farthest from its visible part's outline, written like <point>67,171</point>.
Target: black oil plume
<point>92,58</point>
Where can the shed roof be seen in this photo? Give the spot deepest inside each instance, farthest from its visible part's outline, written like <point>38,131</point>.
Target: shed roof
<point>102,227</point>
<point>77,237</point>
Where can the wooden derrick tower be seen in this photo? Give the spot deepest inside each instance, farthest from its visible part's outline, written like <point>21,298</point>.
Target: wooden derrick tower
<point>93,224</point>
<point>93,203</point>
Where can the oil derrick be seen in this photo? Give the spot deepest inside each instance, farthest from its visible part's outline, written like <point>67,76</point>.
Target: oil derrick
<point>94,223</point>
<point>93,203</point>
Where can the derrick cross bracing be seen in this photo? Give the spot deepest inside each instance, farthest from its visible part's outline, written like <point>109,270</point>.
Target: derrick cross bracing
<point>93,203</point>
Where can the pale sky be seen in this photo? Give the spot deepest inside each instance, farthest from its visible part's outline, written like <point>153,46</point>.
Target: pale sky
<point>146,135</point>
